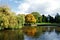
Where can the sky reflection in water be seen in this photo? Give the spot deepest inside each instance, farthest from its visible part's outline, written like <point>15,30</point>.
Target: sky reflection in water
<point>46,36</point>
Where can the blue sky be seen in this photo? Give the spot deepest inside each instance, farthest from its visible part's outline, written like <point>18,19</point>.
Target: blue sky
<point>27,6</point>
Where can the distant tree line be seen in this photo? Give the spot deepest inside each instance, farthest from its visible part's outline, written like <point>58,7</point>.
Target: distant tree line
<point>42,18</point>
<point>51,19</point>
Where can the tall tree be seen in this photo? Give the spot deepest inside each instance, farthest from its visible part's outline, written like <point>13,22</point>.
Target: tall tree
<point>51,19</point>
<point>44,19</point>
<point>57,18</point>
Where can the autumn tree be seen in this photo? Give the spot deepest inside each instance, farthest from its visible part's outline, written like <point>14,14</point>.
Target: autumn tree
<point>29,18</point>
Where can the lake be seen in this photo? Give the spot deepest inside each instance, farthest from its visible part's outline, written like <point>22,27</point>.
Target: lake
<point>45,36</point>
<point>47,33</point>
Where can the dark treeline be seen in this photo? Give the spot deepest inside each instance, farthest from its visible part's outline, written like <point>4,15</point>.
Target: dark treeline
<point>50,19</point>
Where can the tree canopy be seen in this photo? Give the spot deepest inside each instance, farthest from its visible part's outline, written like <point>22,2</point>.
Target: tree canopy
<point>36,15</point>
<point>7,19</point>
<point>29,18</point>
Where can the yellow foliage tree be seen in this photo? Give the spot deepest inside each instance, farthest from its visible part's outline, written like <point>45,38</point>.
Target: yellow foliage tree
<point>12,21</point>
<point>29,18</point>
<point>7,18</point>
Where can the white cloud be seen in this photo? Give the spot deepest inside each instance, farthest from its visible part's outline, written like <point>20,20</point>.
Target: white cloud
<point>43,6</point>
<point>52,6</point>
<point>24,6</point>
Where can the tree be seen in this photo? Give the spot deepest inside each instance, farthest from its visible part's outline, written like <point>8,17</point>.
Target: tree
<point>29,18</point>
<point>44,18</point>
<point>7,19</point>
<point>51,19</point>
<point>57,18</point>
<point>40,19</point>
<point>13,22</point>
<point>4,15</point>
<point>36,15</point>
<point>21,19</point>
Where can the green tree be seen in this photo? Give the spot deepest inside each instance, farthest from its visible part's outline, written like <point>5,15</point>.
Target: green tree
<point>51,19</point>
<point>44,18</point>
<point>21,20</point>
<point>57,18</point>
<point>40,19</point>
<point>37,16</point>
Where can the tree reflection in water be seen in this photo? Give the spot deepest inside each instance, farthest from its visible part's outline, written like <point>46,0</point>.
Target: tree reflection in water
<point>46,36</point>
<point>11,35</point>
